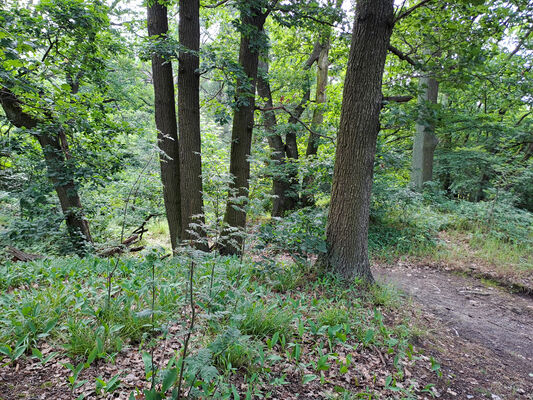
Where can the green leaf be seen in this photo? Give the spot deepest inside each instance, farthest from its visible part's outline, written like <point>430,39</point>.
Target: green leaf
<point>37,353</point>
<point>171,375</point>
<point>308,378</point>
<point>18,352</point>
<point>235,393</point>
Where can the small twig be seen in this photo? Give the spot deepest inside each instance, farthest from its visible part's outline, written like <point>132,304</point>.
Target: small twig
<point>191,327</point>
<point>379,354</point>
<point>152,325</point>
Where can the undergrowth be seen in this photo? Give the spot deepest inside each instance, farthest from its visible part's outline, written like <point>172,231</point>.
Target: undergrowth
<point>253,318</point>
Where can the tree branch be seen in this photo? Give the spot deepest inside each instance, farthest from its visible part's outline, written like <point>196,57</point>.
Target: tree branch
<point>296,119</point>
<point>402,56</point>
<point>396,99</point>
<point>220,3</point>
<point>520,44</point>
<point>522,118</point>
<point>410,10</point>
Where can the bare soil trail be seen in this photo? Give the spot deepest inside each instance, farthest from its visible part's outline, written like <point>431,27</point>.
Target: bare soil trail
<point>481,334</point>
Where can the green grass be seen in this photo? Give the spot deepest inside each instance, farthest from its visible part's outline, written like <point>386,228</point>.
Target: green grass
<point>262,321</point>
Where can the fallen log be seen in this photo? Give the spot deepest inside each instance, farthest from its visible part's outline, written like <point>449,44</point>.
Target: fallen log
<point>21,256</point>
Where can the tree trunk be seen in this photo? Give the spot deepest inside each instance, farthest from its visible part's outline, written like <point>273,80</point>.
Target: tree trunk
<point>192,205</point>
<point>318,115</point>
<point>241,136</point>
<point>59,174</point>
<point>425,140</point>
<point>165,121</point>
<point>347,228</point>
<point>280,183</point>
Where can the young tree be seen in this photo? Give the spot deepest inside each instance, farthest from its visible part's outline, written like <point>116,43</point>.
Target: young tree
<point>165,120</point>
<point>347,227</point>
<point>192,207</point>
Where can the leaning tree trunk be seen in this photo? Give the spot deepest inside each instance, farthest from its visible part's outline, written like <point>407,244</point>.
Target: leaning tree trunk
<point>425,140</point>
<point>241,135</point>
<point>165,121</point>
<point>347,227</point>
<point>192,204</point>
<point>58,172</point>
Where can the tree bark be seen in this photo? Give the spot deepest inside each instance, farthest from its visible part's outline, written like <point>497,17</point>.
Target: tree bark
<point>55,159</point>
<point>253,20</point>
<point>425,141</point>
<point>347,227</point>
<point>318,115</point>
<point>165,121</point>
<point>192,204</point>
<point>280,183</point>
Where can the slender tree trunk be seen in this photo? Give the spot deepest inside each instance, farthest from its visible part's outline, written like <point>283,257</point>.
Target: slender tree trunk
<point>165,121</point>
<point>192,204</point>
<point>347,227</point>
<point>280,183</point>
<point>425,140</point>
<point>285,185</point>
<point>241,135</point>
<point>58,172</point>
<point>318,115</point>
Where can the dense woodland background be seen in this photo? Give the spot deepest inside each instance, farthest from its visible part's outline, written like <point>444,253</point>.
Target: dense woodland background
<point>269,144</point>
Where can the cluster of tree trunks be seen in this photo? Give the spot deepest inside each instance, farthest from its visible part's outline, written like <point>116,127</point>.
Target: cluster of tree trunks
<point>180,154</point>
<point>166,124</point>
<point>180,158</point>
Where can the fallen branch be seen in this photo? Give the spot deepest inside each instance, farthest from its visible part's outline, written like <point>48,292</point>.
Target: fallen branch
<point>135,237</point>
<point>20,256</point>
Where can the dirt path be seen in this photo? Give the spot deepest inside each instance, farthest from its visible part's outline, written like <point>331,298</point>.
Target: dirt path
<point>482,335</point>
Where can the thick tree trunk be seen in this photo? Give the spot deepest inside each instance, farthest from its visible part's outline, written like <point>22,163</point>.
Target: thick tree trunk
<point>59,174</point>
<point>280,183</point>
<point>347,228</point>
<point>318,115</point>
<point>192,205</point>
<point>241,135</point>
<point>165,121</point>
<point>425,140</point>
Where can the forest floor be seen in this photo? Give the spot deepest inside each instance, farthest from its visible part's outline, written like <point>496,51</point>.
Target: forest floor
<point>480,333</point>
<point>470,320</point>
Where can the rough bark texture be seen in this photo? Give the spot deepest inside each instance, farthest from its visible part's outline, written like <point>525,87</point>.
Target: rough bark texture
<point>192,205</point>
<point>241,135</point>
<point>280,182</point>
<point>347,228</point>
<point>165,121</point>
<point>318,114</point>
<point>55,157</point>
<point>425,140</point>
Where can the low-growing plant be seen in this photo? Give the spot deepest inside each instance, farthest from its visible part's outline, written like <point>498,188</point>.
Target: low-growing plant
<point>262,321</point>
